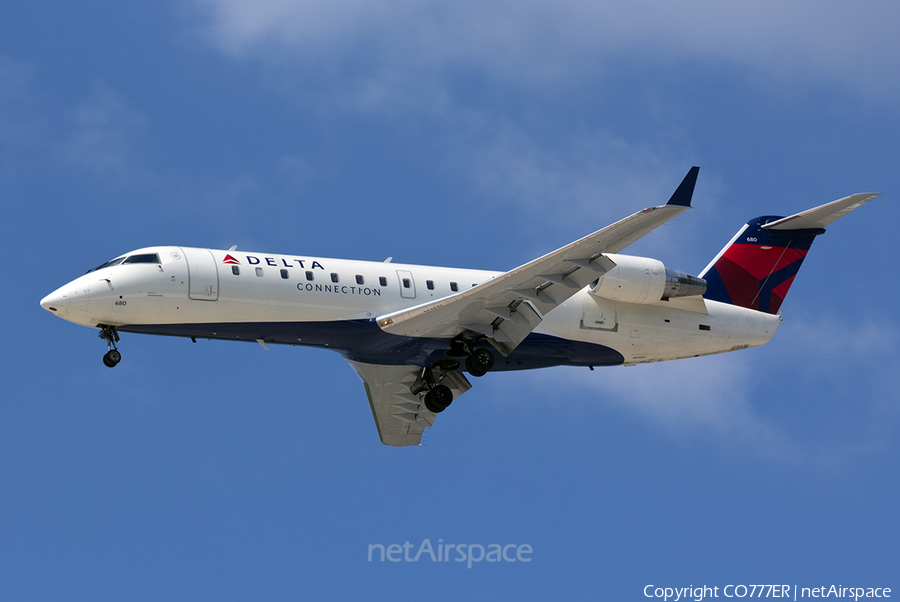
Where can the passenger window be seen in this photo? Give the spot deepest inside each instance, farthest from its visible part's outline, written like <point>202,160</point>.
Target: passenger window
<point>382,281</point>
<point>454,287</point>
<point>406,283</point>
<point>284,274</point>
<point>430,284</point>
<point>310,276</point>
<point>259,271</point>
<point>360,279</point>
<point>236,270</point>
<point>334,277</point>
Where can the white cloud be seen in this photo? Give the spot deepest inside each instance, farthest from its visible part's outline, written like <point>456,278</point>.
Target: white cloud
<point>685,399</point>
<point>415,60</point>
<point>849,44</point>
<point>15,81</point>
<point>582,181</point>
<point>100,131</point>
<point>95,136</point>
<point>826,394</point>
<point>296,169</point>
<point>21,129</point>
<point>851,357</point>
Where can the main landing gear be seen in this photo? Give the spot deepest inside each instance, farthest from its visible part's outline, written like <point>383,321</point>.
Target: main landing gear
<point>112,356</point>
<point>478,361</point>
<point>437,396</point>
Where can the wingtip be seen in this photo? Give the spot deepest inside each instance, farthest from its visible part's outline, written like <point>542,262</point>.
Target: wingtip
<point>685,191</point>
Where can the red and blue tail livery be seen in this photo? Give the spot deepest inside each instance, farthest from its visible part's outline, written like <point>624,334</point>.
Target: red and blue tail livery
<point>756,269</point>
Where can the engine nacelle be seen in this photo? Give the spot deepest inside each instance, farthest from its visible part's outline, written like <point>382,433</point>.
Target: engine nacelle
<point>645,280</point>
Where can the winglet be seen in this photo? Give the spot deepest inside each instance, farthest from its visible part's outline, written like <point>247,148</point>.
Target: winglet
<point>684,192</point>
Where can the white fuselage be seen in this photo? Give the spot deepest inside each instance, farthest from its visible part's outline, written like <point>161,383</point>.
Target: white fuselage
<point>258,296</point>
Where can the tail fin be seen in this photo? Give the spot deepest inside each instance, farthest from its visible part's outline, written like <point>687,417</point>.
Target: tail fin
<point>756,269</point>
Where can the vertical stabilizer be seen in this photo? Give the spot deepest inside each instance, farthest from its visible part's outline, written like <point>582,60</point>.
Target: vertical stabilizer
<point>756,269</point>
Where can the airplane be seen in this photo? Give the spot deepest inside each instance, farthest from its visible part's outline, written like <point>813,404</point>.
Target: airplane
<point>413,332</point>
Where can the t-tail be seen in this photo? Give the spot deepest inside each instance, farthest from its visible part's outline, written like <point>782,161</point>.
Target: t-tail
<point>756,269</point>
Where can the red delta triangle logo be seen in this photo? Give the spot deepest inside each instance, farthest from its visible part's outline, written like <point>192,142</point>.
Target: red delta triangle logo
<point>230,259</point>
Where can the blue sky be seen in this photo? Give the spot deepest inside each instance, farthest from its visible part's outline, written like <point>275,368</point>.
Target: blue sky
<point>478,134</point>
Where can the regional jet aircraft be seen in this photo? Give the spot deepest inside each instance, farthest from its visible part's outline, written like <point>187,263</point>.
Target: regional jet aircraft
<point>413,332</point>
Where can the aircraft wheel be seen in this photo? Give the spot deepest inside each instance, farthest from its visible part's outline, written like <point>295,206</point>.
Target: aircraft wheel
<point>480,362</point>
<point>111,358</point>
<point>438,399</point>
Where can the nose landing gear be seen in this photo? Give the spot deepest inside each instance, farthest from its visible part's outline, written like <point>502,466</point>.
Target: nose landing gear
<point>112,356</point>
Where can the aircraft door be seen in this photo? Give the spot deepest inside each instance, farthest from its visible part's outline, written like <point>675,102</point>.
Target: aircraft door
<point>203,274</point>
<point>407,284</point>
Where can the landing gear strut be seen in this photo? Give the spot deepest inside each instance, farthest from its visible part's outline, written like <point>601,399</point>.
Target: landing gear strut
<point>112,355</point>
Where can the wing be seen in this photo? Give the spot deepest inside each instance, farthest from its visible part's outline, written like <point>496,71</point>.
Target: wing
<point>506,308</point>
<point>400,415</point>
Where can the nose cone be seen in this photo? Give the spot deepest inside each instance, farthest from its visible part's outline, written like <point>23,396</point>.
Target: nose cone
<point>55,302</point>
<point>71,302</point>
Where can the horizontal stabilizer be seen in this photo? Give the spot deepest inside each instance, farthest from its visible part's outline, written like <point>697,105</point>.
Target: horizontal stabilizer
<point>821,216</point>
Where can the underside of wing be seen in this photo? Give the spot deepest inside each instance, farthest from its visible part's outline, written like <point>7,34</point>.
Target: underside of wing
<point>507,308</point>
<point>396,398</point>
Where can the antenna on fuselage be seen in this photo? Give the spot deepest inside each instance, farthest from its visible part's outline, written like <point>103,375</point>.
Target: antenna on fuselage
<point>233,248</point>
<point>388,260</point>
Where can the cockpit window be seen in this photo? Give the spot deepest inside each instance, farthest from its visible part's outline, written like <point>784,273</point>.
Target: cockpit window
<point>108,264</point>
<point>146,258</point>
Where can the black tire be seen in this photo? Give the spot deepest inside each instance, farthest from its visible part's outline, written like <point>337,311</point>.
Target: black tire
<point>111,358</point>
<point>473,371</point>
<point>438,399</point>
<point>443,396</point>
<point>430,404</point>
<point>480,362</point>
